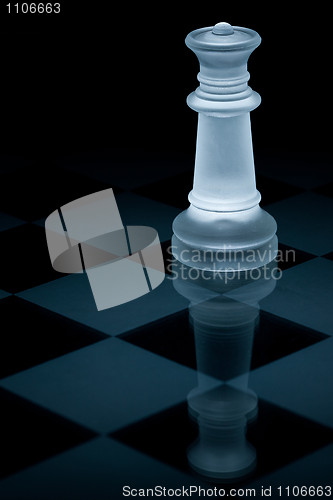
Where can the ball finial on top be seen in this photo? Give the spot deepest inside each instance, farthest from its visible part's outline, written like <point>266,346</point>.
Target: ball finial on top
<point>223,29</point>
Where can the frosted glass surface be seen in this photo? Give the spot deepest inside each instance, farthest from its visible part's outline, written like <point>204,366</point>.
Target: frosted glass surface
<point>224,167</point>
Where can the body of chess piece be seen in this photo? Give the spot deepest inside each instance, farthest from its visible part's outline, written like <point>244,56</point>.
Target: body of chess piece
<point>224,220</point>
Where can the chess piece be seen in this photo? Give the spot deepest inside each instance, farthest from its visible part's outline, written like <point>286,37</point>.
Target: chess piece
<point>224,220</point>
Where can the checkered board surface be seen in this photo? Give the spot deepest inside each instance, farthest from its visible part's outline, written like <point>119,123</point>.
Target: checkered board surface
<point>92,401</point>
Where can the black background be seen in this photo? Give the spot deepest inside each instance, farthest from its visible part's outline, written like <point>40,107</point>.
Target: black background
<point>116,75</point>
<point>104,74</point>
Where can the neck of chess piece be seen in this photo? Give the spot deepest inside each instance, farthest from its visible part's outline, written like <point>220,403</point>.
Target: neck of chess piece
<point>224,216</point>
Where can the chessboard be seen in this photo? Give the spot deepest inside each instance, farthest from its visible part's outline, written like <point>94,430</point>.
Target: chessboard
<point>93,401</point>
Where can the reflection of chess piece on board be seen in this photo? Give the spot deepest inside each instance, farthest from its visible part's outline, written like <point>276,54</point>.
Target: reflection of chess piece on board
<point>224,216</point>
<point>223,331</point>
<point>222,403</point>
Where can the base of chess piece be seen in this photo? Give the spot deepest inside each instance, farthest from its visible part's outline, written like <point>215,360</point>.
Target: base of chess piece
<point>224,241</point>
